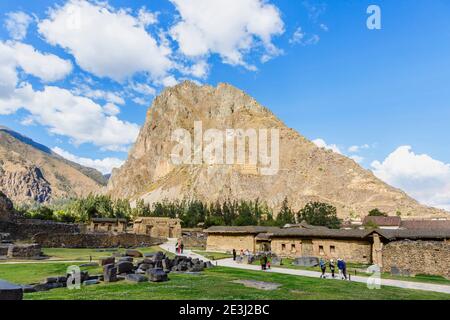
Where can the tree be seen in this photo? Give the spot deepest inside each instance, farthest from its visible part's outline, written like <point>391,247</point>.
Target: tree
<point>320,214</point>
<point>285,216</point>
<point>377,213</point>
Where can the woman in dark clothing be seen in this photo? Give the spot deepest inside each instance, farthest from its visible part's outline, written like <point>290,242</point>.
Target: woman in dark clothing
<point>234,254</point>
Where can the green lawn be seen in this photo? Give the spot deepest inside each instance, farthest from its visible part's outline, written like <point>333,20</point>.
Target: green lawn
<point>215,283</point>
<point>213,255</point>
<point>355,269</point>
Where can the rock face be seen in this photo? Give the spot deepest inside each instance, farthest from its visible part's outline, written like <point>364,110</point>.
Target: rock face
<point>306,172</point>
<point>30,172</point>
<point>6,208</point>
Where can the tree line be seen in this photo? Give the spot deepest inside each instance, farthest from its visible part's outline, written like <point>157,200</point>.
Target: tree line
<point>191,212</point>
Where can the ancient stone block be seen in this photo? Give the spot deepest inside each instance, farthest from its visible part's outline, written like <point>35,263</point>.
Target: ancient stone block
<point>136,278</point>
<point>133,253</point>
<point>157,275</point>
<point>105,261</point>
<point>9,291</point>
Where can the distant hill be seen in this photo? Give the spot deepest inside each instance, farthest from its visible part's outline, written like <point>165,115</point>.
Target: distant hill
<point>307,173</point>
<point>32,172</point>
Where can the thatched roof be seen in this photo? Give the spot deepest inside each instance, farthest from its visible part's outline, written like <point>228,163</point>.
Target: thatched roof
<point>425,224</point>
<point>419,234</point>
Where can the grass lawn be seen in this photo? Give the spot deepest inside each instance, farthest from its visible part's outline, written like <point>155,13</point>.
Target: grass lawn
<point>213,255</point>
<point>215,283</point>
<point>351,268</point>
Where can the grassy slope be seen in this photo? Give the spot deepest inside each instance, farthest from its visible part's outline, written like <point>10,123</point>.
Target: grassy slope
<point>212,284</point>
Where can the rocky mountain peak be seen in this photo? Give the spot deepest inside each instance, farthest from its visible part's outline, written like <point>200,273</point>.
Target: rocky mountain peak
<point>306,173</point>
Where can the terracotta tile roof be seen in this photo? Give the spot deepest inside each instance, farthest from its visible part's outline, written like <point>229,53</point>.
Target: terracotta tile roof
<point>383,221</point>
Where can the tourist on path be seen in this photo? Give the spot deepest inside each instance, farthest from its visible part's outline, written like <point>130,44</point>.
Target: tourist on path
<point>340,266</point>
<point>332,267</point>
<point>268,265</point>
<point>182,247</point>
<point>344,269</point>
<point>263,262</point>
<point>234,254</point>
<point>323,268</point>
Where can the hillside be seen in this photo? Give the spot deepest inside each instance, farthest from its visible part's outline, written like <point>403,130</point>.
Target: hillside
<point>31,172</point>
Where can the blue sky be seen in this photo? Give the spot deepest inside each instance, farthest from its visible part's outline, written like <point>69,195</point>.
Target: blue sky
<point>379,96</point>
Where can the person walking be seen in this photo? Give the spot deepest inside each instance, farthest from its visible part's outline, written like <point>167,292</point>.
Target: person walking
<point>332,268</point>
<point>344,269</point>
<point>340,266</point>
<point>234,254</point>
<point>261,261</point>
<point>182,247</point>
<point>268,265</point>
<point>323,268</point>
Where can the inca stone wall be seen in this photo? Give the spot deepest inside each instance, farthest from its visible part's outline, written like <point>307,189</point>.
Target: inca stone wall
<point>26,229</point>
<point>94,240</point>
<point>158,227</point>
<point>350,250</point>
<point>194,238</point>
<point>221,243</point>
<point>417,257</point>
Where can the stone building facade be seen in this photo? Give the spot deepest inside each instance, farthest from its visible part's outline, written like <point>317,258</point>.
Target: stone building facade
<point>417,257</point>
<point>386,248</point>
<point>158,227</point>
<point>108,225</point>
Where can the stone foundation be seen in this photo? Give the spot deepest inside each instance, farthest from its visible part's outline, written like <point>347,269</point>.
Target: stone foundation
<point>21,251</point>
<point>95,240</point>
<point>25,229</point>
<point>417,257</point>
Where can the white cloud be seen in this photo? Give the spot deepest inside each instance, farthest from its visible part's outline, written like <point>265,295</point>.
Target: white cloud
<point>105,165</point>
<point>228,28</point>
<point>146,17</point>
<point>297,36</point>
<point>97,94</point>
<point>111,109</point>
<point>17,24</point>
<point>106,42</point>
<point>14,55</point>
<point>357,148</point>
<point>141,101</point>
<point>324,27</point>
<point>47,67</point>
<point>322,144</point>
<point>421,176</point>
<point>66,114</point>
<point>300,37</point>
<point>143,89</point>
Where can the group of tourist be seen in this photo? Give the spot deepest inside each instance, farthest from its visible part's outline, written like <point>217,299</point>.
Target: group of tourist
<point>341,265</point>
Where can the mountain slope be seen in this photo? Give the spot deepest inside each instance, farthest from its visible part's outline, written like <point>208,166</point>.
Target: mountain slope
<point>31,172</point>
<point>307,173</point>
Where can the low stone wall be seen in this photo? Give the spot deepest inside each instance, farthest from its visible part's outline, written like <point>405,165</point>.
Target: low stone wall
<point>21,251</point>
<point>417,257</point>
<point>94,240</point>
<point>26,229</point>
